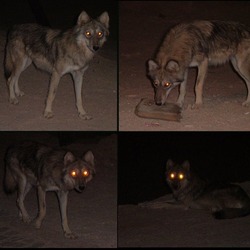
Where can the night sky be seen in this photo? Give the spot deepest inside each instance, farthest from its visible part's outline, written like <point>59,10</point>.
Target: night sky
<point>219,156</point>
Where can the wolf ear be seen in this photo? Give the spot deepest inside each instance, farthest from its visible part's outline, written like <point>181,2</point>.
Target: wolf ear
<point>68,158</point>
<point>186,165</point>
<point>104,19</point>
<point>89,157</point>
<point>169,164</point>
<point>152,65</point>
<point>83,18</point>
<point>173,66</point>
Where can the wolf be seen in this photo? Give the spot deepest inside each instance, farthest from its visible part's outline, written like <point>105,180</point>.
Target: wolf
<point>225,201</point>
<point>55,51</point>
<point>32,164</point>
<point>199,44</point>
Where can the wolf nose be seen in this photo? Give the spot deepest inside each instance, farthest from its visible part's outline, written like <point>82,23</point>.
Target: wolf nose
<point>81,187</point>
<point>158,103</point>
<point>95,48</point>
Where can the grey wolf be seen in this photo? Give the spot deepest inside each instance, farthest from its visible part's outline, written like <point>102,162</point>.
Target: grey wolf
<point>199,44</point>
<point>31,164</point>
<point>226,201</point>
<point>55,51</point>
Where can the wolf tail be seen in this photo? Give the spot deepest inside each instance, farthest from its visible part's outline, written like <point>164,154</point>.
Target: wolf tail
<point>230,213</point>
<point>10,183</point>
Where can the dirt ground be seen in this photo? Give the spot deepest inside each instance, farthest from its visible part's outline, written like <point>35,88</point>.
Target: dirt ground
<point>92,215</point>
<point>142,27</point>
<point>148,227</point>
<point>99,97</point>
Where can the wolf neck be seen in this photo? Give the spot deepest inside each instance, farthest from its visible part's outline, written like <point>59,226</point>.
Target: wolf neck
<point>192,190</point>
<point>176,46</point>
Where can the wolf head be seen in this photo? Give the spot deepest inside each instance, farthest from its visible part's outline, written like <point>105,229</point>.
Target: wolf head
<point>78,171</point>
<point>164,78</point>
<point>177,176</point>
<point>92,32</point>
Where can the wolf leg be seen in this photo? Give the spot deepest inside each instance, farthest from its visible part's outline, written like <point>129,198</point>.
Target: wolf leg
<point>242,66</point>
<point>21,63</point>
<point>54,81</point>
<point>63,199</point>
<point>182,94</point>
<point>78,78</point>
<point>202,70</point>
<point>42,206</point>
<point>23,189</point>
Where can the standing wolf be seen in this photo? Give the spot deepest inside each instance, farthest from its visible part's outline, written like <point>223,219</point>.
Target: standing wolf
<point>199,44</point>
<point>55,51</point>
<point>33,164</point>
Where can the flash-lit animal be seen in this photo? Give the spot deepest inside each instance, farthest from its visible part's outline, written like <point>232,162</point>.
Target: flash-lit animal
<point>31,164</point>
<point>55,51</point>
<point>199,44</point>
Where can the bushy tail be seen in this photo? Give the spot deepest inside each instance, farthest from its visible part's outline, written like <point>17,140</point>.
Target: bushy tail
<point>230,213</point>
<point>10,183</point>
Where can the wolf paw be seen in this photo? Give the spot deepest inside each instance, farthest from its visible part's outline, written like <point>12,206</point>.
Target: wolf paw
<point>48,114</point>
<point>70,235</point>
<point>20,93</point>
<point>246,104</point>
<point>26,219</point>
<point>85,117</point>
<point>196,106</point>
<point>38,223</point>
<point>13,100</point>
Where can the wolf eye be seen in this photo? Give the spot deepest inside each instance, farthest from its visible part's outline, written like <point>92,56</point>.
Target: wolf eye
<point>99,34</point>
<point>167,84</point>
<point>88,33</point>
<point>181,176</point>
<point>73,173</point>
<point>172,175</point>
<point>85,173</point>
<point>156,83</point>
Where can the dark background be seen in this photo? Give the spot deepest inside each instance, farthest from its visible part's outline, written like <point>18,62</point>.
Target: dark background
<point>56,13</point>
<point>220,156</point>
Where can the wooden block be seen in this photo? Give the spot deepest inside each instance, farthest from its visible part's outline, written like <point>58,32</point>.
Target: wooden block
<point>148,109</point>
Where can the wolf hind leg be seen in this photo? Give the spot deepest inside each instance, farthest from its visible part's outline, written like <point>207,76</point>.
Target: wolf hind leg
<point>242,66</point>
<point>20,64</point>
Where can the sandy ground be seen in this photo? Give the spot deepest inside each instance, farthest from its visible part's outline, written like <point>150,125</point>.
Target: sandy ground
<point>99,97</point>
<point>147,227</point>
<point>92,215</point>
<point>142,27</point>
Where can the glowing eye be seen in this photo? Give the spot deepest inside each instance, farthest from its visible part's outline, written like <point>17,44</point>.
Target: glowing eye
<point>87,34</point>
<point>73,173</point>
<point>167,84</point>
<point>181,176</point>
<point>100,34</point>
<point>85,173</point>
<point>172,175</point>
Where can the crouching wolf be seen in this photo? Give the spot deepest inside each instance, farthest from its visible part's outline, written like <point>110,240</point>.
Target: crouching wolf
<point>30,164</point>
<point>225,201</point>
<point>55,51</point>
<point>199,44</point>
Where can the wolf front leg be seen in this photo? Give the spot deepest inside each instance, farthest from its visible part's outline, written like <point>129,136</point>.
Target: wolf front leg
<point>78,78</point>
<point>54,81</point>
<point>63,199</point>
